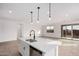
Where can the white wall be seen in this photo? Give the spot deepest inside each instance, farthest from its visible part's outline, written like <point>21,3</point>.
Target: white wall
<point>8,30</point>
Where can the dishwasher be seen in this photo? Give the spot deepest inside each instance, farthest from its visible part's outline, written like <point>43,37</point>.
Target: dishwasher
<point>35,52</point>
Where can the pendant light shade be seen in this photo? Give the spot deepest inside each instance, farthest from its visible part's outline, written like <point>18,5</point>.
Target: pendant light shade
<point>38,15</point>
<point>49,11</point>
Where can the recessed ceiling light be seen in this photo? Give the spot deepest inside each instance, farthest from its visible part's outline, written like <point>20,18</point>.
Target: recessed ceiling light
<point>10,11</point>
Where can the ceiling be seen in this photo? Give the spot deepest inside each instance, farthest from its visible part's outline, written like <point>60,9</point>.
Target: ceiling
<point>21,12</point>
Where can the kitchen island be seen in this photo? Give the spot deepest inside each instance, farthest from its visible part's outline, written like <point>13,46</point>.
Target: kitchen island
<point>46,46</point>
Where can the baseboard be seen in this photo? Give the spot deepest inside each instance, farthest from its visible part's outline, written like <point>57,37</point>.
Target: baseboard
<point>7,41</point>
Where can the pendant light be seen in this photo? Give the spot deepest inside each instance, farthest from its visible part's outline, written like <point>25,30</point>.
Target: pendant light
<point>31,17</point>
<point>38,15</point>
<point>49,11</point>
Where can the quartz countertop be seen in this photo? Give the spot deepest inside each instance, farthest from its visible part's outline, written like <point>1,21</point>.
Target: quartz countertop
<point>43,44</point>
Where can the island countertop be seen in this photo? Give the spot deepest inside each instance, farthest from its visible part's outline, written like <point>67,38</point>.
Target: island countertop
<point>45,45</point>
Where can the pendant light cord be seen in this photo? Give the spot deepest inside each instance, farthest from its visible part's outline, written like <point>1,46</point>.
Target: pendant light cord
<point>31,17</point>
<point>38,13</point>
<point>49,10</point>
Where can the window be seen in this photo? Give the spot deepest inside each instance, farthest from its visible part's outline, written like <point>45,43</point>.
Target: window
<point>66,31</point>
<point>50,29</point>
<point>71,31</point>
<point>76,31</point>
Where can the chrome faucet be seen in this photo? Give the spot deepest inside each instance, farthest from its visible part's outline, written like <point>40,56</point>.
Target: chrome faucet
<point>33,34</point>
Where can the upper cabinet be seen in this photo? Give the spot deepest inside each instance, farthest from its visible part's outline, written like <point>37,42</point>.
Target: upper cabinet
<point>71,30</point>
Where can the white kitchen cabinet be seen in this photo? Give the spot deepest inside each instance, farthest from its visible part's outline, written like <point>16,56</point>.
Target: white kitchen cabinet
<point>23,48</point>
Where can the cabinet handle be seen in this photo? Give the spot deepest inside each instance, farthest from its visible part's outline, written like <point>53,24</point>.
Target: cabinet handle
<point>24,48</point>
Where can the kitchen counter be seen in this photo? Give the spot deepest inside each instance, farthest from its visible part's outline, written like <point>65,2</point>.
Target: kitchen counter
<point>47,46</point>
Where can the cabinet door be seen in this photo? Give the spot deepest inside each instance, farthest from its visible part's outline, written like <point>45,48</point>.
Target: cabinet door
<point>26,49</point>
<point>23,48</point>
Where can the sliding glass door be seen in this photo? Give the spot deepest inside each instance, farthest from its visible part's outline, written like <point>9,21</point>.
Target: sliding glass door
<point>71,31</point>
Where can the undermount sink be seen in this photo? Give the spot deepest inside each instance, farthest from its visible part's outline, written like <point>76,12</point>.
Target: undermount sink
<point>31,40</point>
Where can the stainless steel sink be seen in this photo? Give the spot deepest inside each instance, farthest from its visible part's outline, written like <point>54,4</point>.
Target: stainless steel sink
<point>31,40</point>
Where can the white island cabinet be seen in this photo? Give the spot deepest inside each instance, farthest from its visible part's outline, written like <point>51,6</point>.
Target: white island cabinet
<point>23,48</point>
<point>42,47</point>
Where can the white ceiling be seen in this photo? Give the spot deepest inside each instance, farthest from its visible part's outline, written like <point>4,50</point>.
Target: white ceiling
<point>21,12</point>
